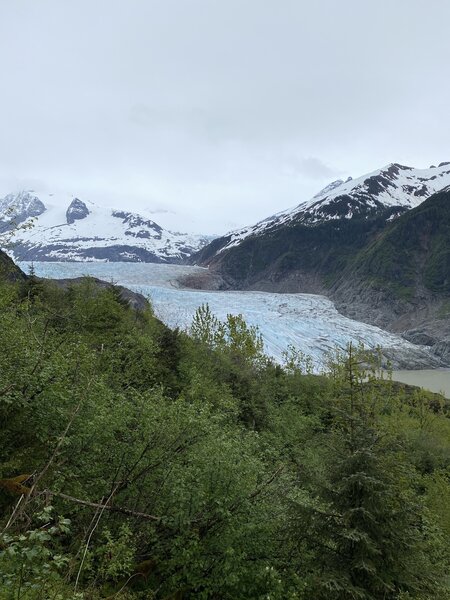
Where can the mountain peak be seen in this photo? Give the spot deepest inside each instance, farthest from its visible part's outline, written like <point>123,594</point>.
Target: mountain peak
<point>69,229</point>
<point>77,210</point>
<point>21,206</point>
<point>331,187</point>
<point>391,191</point>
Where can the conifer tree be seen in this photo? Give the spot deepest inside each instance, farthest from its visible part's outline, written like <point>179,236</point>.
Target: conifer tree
<point>370,532</point>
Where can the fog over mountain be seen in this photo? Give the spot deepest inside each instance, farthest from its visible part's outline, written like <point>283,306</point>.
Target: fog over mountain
<point>212,115</point>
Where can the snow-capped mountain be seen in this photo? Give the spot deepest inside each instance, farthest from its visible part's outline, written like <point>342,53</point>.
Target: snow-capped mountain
<point>395,186</point>
<point>65,228</point>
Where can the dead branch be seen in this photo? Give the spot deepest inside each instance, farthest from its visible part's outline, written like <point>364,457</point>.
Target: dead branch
<point>119,509</point>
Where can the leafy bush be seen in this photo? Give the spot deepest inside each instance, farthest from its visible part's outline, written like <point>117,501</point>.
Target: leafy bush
<point>194,467</point>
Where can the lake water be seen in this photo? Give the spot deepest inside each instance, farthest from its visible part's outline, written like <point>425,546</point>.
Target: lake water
<point>434,380</point>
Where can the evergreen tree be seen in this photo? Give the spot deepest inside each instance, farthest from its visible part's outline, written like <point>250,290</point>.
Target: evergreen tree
<point>32,287</point>
<point>368,528</point>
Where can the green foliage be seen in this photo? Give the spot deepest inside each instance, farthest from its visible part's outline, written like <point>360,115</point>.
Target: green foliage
<point>31,563</point>
<point>412,252</point>
<point>116,554</point>
<point>321,252</point>
<point>206,328</point>
<point>296,361</point>
<point>438,500</point>
<point>233,336</point>
<point>191,466</point>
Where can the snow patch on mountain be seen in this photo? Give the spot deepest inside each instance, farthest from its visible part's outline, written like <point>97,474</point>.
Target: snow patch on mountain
<point>20,207</point>
<point>331,187</point>
<point>394,186</point>
<point>65,228</point>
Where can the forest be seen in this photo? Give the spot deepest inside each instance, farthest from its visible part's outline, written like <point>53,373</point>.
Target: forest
<point>139,462</point>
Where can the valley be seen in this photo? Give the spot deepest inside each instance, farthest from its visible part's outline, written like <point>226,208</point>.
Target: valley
<point>308,322</point>
<point>224,300</point>
<point>365,260</point>
<point>377,246</point>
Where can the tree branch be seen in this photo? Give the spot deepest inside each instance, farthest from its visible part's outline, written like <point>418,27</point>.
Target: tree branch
<point>124,511</point>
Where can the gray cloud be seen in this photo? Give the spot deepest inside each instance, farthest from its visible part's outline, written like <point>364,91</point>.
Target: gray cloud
<point>311,168</point>
<point>218,112</point>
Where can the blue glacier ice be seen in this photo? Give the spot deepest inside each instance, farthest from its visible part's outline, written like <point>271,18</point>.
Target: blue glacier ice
<point>309,322</point>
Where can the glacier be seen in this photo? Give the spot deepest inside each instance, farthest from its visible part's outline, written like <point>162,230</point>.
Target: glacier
<point>61,227</point>
<point>308,322</point>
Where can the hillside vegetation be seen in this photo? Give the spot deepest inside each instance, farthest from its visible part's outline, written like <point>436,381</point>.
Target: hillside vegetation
<point>381,268</point>
<point>413,253</point>
<point>407,256</point>
<point>295,257</point>
<point>139,462</point>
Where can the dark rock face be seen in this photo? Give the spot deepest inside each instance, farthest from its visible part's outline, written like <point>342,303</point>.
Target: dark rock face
<point>136,221</point>
<point>442,349</point>
<point>77,210</point>
<point>345,206</point>
<point>401,279</point>
<point>296,255</point>
<point>85,231</point>
<point>69,253</point>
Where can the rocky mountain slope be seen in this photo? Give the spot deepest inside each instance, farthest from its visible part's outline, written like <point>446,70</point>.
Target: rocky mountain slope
<point>65,228</point>
<point>389,192</point>
<point>379,246</point>
<point>401,280</point>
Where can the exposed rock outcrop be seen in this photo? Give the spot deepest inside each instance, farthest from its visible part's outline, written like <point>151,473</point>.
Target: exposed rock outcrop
<point>77,210</point>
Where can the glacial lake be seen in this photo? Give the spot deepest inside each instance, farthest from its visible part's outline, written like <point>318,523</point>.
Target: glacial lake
<point>308,322</point>
<point>434,380</point>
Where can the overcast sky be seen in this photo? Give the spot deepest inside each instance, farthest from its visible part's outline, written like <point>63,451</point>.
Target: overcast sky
<point>216,113</point>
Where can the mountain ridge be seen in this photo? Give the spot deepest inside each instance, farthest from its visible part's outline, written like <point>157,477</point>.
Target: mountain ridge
<point>401,280</point>
<point>380,251</point>
<point>65,228</point>
<point>395,186</point>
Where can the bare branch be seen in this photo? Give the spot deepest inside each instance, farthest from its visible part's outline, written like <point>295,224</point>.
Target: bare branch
<point>119,509</point>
